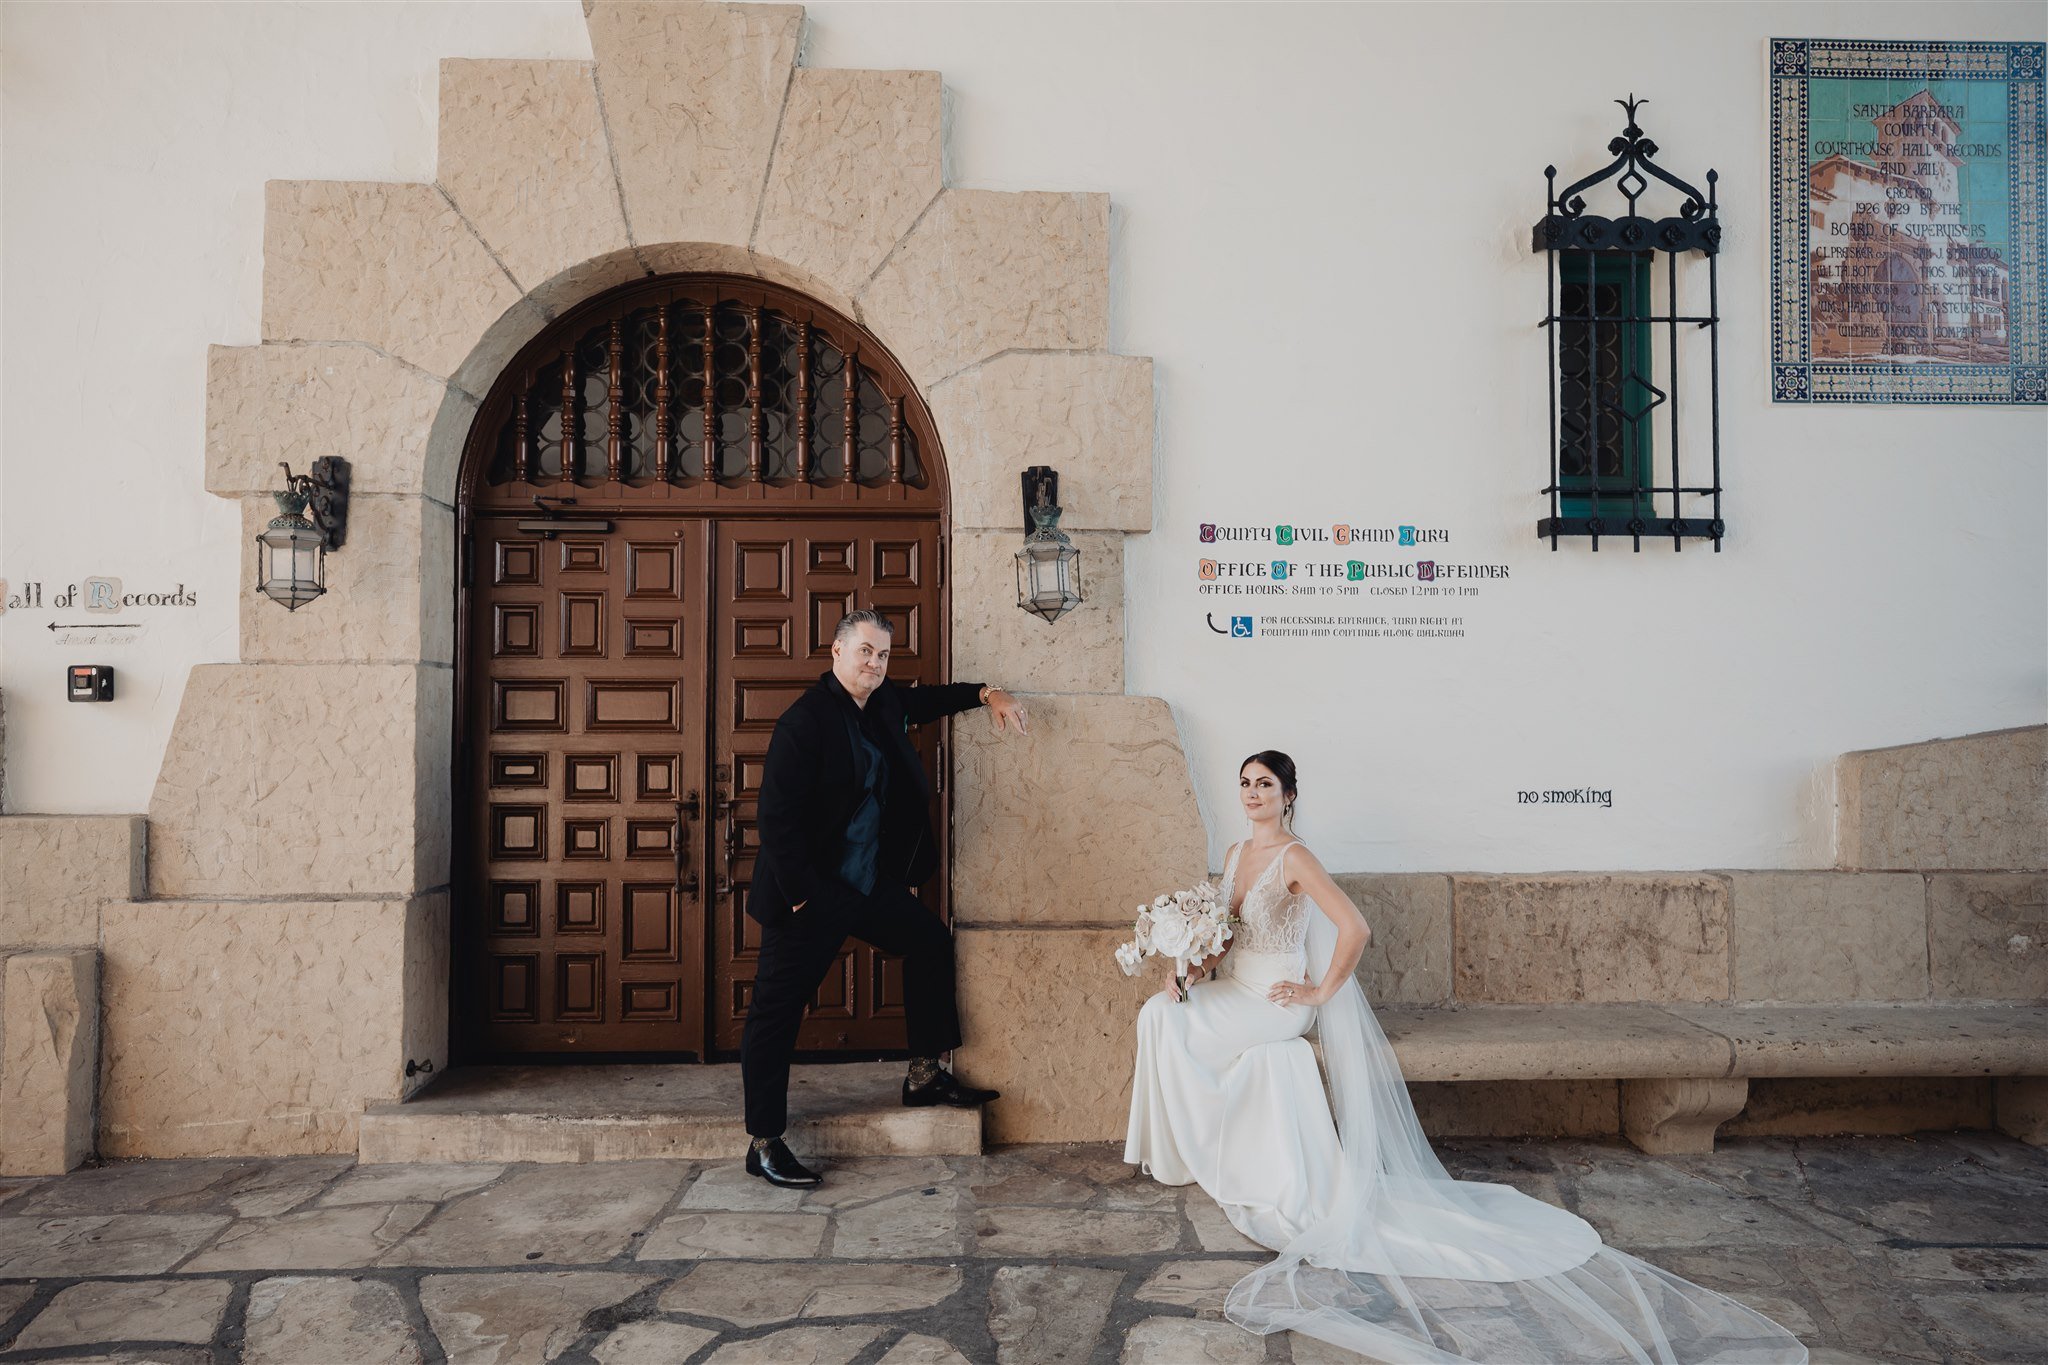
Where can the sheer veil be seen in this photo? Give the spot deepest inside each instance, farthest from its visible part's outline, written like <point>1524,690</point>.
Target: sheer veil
<point>1410,1265</point>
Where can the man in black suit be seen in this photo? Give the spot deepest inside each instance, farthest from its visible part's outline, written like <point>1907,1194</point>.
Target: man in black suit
<point>844,845</point>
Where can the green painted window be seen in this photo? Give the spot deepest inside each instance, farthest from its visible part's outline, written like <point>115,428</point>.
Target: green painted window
<point>1606,396</point>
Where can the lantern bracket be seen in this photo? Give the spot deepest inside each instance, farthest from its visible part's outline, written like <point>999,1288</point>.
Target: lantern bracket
<point>1041,489</point>
<point>325,492</point>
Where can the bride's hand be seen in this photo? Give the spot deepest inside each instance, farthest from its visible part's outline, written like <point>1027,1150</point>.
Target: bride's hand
<point>1294,993</point>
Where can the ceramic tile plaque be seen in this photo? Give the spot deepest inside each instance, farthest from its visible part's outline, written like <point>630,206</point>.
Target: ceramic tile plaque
<point>1907,223</point>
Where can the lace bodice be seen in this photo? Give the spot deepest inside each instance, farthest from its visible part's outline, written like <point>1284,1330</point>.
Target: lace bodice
<point>1273,920</point>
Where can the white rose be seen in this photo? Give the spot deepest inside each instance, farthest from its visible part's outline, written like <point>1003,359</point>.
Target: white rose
<point>1172,937</point>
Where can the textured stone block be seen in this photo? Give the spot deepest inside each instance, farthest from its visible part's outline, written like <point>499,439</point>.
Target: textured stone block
<point>1987,935</point>
<point>1815,936</point>
<point>1823,1106</point>
<point>691,95</point>
<point>389,264</point>
<point>250,1026</point>
<point>1978,801</point>
<point>1050,1020</point>
<point>1408,961</point>
<point>293,780</point>
<point>390,589</point>
<point>858,159</point>
<point>1487,1109</point>
<point>997,641</point>
<point>1876,1040</point>
<point>523,155</point>
<point>1550,1043</point>
<point>423,1032</point>
<point>56,871</point>
<point>2021,1106</point>
<point>294,404</point>
<point>1087,414</point>
<point>987,271</point>
<point>1674,1117</point>
<point>1592,936</point>
<point>49,1052</point>
<point>1031,838</point>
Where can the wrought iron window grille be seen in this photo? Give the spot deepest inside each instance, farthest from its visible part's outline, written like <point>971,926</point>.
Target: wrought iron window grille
<point>1601,320</point>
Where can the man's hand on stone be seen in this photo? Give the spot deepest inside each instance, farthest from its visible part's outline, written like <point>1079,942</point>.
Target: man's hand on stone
<point>1004,708</point>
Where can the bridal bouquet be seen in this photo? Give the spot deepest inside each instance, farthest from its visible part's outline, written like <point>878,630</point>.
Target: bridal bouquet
<point>1183,925</point>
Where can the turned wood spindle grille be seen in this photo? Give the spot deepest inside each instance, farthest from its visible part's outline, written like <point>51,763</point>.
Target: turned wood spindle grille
<point>713,386</point>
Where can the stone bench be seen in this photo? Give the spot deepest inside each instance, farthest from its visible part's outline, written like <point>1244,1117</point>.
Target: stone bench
<point>1685,1069</point>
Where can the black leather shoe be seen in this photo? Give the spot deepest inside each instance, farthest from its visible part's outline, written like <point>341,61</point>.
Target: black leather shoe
<point>944,1089</point>
<point>775,1165</point>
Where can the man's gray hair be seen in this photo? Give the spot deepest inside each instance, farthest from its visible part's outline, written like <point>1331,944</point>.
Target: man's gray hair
<point>864,617</point>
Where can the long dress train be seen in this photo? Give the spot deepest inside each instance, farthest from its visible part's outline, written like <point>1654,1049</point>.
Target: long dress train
<point>1381,1252</point>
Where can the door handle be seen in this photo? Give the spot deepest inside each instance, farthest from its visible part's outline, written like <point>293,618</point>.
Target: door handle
<point>686,881</point>
<point>729,810</point>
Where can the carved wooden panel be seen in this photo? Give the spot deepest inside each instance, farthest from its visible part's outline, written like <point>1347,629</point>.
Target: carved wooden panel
<point>579,897</point>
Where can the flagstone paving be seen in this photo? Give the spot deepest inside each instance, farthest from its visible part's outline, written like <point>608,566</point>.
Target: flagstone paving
<point>1932,1248</point>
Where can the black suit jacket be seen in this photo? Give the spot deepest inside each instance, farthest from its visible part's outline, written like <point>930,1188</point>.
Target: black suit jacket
<point>812,785</point>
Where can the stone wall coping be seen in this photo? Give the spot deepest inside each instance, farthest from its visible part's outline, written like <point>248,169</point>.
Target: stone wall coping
<point>1624,1042</point>
<point>1947,739</point>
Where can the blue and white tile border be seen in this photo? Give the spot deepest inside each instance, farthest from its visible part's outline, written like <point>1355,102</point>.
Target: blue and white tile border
<point>1795,376</point>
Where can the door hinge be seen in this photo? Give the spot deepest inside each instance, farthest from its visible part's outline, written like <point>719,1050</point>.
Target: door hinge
<point>939,779</point>
<point>942,561</point>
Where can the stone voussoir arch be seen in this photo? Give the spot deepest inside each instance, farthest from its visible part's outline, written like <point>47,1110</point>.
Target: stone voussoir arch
<point>304,794</point>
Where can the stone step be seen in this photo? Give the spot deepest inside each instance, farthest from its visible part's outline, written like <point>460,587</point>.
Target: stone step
<point>628,1113</point>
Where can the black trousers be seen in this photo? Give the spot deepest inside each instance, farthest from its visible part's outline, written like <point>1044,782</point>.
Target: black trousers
<point>796,954</point>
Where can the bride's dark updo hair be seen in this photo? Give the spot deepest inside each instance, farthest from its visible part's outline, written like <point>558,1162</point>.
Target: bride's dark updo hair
<point>1282,767</point>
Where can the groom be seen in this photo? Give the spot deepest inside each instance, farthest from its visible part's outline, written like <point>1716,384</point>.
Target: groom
<point>844,846</point>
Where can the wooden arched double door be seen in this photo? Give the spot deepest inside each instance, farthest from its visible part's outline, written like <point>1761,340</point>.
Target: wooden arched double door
<point>630,630</point>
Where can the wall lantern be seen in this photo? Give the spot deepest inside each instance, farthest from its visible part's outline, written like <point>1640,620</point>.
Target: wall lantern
<point>1616,355</point>
<point>1048,567</point>
<point>291,553</point>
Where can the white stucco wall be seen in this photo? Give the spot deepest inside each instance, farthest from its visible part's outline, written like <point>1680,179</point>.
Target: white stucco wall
<point>1321,222</point>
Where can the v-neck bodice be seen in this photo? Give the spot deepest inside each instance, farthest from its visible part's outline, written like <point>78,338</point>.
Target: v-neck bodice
<point>1271,920</point>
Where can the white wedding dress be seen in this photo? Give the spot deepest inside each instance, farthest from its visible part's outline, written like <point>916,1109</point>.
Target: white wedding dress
<point>1381,1252</point>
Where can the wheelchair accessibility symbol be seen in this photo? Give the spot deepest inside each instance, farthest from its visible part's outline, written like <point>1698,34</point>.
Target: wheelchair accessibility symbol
<point>1240,626</point>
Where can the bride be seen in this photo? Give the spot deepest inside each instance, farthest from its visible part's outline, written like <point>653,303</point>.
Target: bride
<point>1380,1251</point>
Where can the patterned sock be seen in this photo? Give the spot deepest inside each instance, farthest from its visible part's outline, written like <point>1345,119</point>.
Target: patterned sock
<point>923,1071</point>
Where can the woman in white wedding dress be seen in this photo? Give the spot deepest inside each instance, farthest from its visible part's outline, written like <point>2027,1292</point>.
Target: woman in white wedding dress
<point>1381,1252</point>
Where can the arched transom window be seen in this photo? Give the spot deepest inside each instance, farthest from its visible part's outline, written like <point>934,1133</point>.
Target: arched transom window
<point>703,388</point>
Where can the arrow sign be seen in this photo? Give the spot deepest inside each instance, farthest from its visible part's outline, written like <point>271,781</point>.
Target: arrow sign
<point>98,625</point>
